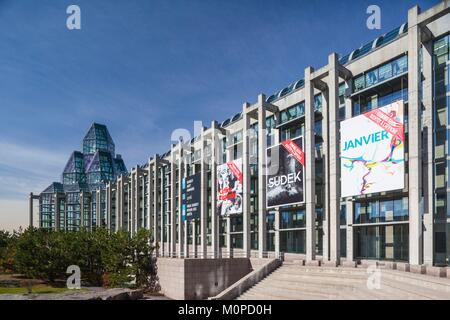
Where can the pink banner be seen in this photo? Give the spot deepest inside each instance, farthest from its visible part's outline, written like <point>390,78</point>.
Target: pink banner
<point>237,173</point>
<point>295,150</point>
<point>386,122</point>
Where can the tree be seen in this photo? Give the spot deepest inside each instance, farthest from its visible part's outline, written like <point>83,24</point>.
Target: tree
<point>143,261</point>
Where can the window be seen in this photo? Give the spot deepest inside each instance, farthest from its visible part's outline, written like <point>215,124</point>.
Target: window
<point>293,219</point>
<point>381,211</point>
<point>382,73</point>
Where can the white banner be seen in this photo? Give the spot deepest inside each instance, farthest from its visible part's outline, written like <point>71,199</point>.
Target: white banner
<point>372,151</point>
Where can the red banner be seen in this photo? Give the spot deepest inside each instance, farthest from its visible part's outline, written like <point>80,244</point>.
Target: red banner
<point>295,150</point>
<point>237,173</point>
<point>386,122</point>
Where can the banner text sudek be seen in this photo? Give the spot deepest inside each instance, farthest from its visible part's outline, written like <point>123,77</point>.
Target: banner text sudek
<point>285,174</point>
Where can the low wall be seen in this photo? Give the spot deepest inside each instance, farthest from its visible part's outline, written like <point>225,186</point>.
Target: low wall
<point>262,267</point>
<point>195,279</point>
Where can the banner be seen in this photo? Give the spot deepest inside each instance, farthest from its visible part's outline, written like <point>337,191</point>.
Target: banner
<point>229,188</point>
<point>191,197</point>
<point>285,174</point>
<point>372,151</point>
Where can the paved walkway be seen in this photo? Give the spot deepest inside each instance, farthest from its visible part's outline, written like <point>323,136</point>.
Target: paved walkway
<point>92,293</point>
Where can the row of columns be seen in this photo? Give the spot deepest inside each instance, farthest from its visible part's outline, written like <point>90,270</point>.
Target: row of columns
<point>325,81</point>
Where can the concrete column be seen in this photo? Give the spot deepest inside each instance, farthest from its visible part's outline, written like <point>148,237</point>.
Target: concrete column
<point>181,175</point>
<point>228,235</point>
<point>334,169</point>
<point>414,139</point>
<point>30,202</point>
<point>348,202</point>
<point>428,188</point>
<point>149,198</point>
<point>349,215</point>
<point>277,232</point>
<point>246,185</point>
<point>119,204</point>
<point>262,145</point>
<point>137,199</point>
<point>156,204</point>
<point>57,213</point>
<point>309,148</point>
<point>228,158</point>
<point>185,222</point>
<point>214,215</point>
<point>81,209</point>
<point>203,197</point>
<point>173,208</point>
<point>108,198</point>
<point>326,135</point>
<point>161,211</point>
<point>98,208</point>
<point>194,237</point>
<point>132,203</point>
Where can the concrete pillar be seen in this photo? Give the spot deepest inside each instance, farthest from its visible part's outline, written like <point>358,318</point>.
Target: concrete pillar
<point>57,225</point>
<point>30,212</point>
<point>309,148</point>
<point>108,198</point>
<point>348,202</point>
<point>194,238</point>
<point>246,185</point>
<point>173,208</point>
<point>137,199</point>
<point>203,197</point>
<point>414,139</point>
<point>150,198</point>
<point>326,179</point>
<point>428,188</point>
<point>132,202</point>
<point>277,232</point>
<point>181,176</point>
<point>349,232</point>
<point>185,222</point>
<point>81,209</point>
<point>334,163</point>
<point>156,203</point>
<point>98,208</point>
<point>262,144</point>
<point>214,215</point>
<point>119,204</point>
<point>161,212</point>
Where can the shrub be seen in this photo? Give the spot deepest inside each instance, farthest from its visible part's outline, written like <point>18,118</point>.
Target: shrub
<point>105,258</point>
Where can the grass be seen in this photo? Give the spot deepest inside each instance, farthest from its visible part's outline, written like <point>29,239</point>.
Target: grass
<point>39,288</point>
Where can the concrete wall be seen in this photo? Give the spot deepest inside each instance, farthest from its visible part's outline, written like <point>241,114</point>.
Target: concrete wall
<point>195,279</point>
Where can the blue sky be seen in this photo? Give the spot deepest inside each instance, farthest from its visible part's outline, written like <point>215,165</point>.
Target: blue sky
<point>146,67</point>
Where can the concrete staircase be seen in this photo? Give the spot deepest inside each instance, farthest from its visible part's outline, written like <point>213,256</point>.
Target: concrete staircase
<point>292,281</point>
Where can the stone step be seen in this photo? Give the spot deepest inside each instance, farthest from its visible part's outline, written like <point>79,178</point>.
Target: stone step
<point>314,293</point>
<point>316,284</point>
<point>295,282</point>
<point>421,280</point>
<point>425,281</point>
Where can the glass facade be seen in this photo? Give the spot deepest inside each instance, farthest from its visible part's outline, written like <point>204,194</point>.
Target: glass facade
<point>441,133</point>
<point>381,229</point>
<point>380,74</point>
<point>84,173</point>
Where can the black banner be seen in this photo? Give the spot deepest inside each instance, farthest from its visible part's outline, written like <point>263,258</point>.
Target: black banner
<point>285,174</point>
<point>191,197</point>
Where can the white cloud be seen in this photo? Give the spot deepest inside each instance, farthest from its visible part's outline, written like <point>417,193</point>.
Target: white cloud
<point>24,169</point>
<point>14,214</point>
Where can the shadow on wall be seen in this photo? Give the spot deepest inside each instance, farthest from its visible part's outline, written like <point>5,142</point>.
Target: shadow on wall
<point>196,279</point>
